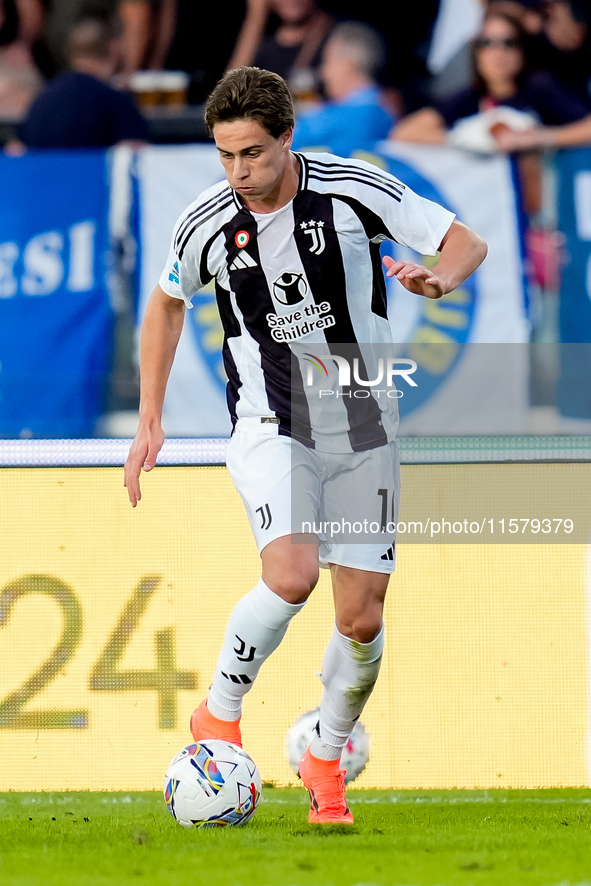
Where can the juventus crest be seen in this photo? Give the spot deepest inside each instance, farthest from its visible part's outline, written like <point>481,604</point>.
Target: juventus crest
<point>314,229</point>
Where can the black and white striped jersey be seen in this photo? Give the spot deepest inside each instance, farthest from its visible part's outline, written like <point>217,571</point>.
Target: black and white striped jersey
<point>308,274</point>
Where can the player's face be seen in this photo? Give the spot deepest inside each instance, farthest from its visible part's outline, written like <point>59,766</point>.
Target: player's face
<point>254,161</point>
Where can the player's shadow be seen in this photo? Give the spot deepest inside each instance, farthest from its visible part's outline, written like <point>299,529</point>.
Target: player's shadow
<point>326,830</point>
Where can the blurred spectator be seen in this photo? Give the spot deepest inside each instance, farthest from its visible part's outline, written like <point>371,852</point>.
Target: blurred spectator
<point>564,45</point>
<point>407,29</point>
<point>251,33</point>
<point>8,22</point>
<point>79,109</point>
<point>294,50</point>
<point>19,78</point>
<point>148,31</point>
<point>137,17</point>
<point>354,118</point>
<point>34,15</point>
<point>527,12</point>
<point>162,34</point>
<point>508,107</point>
<point>457,24</point>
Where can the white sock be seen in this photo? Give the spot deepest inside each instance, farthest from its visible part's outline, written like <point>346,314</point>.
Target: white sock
<point>255,629</point>
<point>349,672</point>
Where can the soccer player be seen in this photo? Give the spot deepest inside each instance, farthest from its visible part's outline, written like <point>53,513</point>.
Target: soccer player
<point>291,236</point>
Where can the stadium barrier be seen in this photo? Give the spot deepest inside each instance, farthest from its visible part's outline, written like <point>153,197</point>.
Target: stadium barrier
<point>111,620</point>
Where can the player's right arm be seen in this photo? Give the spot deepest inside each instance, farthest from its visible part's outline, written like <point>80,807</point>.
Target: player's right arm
<point>161,330</point>
<point>185,273</point>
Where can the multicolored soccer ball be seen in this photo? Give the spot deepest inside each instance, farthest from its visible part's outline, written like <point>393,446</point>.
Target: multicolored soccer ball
<point>212,784</point>
<point>355,754</point>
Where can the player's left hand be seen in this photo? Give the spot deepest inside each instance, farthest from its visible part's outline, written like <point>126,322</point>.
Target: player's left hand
<point>415,278</point>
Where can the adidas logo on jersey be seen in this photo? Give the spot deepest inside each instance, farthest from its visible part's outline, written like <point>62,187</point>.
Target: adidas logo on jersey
<point>243,260</point>
<point>174,275</point>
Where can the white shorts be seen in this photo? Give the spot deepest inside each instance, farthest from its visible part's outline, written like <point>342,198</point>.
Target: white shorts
<point>350,501</point>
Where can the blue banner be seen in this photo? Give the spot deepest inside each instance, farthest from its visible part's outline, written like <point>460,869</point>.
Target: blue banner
<point>55,317</point>
<point>574,220</point>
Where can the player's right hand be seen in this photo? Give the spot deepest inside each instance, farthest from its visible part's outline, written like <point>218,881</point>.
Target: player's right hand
<point>416,278</point>
<point>143,454</point>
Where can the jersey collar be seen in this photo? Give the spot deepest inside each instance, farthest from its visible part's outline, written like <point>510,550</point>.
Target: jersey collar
<point>303,178</point>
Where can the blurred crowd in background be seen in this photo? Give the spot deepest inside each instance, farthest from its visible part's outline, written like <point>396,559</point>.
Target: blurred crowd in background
<point>499,76</point>
<point>503,76</point>
<point>508,76</point>
<point>359,73</point>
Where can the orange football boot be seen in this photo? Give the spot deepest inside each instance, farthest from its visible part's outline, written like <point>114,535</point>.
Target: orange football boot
<point>325,781</point>
<point>204,725</point>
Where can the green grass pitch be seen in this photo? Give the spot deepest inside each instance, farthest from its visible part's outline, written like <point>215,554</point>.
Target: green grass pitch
<point>400,838</point>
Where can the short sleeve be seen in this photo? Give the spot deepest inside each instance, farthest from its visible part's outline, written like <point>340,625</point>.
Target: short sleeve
<point>406,217</point>
<point>180,277</point>
<point>418,223</point>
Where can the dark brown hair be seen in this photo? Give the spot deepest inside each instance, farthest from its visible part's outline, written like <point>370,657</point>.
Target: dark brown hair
<point>252,94</point>
<point>520,38</point>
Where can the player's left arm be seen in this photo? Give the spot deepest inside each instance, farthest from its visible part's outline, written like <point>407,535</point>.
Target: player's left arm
<point>461,251</point>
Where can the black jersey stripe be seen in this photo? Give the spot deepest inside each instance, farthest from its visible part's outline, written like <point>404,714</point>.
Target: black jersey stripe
<point>196,219</point>
<point>332,168</point>
<point>353,177</point>
<point>373,225</point>
<point>345,175</point>
<point>205,274</point>
<point>347,178</point>
<point>322,175</point>
<point>232,329</point>
<point>328,168</point>
<point>325,272</point>
<point>201,209</point>
<point>356,175</point>
<point>379,294</point>
<point>196,213</point>
<point>285,395</point>
<point>303,178</point>
<point>202,221</point>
